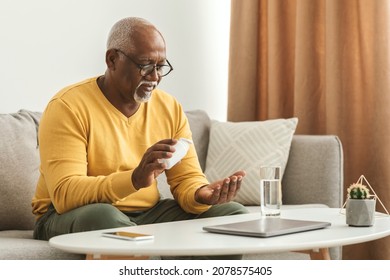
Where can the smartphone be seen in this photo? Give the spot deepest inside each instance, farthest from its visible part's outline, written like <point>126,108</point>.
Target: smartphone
<point>125,235</point>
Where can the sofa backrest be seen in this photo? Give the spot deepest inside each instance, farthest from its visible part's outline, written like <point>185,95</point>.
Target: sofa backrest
<point>19,168</point>
<point>200,126</point>
<point>314,171</point>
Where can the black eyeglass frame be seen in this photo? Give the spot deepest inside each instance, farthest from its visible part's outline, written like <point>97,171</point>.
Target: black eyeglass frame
<point>143,71</point>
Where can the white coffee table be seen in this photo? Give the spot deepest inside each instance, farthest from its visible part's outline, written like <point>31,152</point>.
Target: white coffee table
<point>186,238</point>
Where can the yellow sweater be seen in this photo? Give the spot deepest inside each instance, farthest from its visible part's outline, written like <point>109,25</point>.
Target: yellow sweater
<point>89,150</point>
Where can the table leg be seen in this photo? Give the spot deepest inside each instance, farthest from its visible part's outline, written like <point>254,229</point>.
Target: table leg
<point>317,254</point>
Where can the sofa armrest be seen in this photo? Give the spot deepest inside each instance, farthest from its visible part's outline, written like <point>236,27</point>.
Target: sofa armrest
<point>314,171</point>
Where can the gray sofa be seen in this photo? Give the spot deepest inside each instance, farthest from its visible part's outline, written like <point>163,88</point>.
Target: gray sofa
<point>313,176</point>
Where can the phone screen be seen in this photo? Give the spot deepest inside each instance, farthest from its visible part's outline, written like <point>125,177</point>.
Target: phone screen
<point>128,235</point>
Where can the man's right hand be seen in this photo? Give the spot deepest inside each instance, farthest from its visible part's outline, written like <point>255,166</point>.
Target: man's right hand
<point>149,167</point>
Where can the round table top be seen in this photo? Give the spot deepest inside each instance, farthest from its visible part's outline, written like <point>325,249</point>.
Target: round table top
<point>187,238</point>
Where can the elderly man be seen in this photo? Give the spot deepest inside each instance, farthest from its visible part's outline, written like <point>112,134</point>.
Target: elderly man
<point>102,142</point>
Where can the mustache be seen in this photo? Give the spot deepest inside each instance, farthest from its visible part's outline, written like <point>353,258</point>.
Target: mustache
<point>148,83</point>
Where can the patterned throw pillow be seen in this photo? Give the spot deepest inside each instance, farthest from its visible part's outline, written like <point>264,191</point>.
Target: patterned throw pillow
<point>246,146</point>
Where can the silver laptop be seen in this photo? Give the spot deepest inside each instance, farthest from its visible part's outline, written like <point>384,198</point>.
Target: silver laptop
<point>267,227</point>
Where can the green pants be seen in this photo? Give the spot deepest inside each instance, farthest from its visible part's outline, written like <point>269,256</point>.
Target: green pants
<point>102,216</point>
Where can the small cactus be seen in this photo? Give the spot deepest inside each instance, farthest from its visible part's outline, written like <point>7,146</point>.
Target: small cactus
<point>358,191</point>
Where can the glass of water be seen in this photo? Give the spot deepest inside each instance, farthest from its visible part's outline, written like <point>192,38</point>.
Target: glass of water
<point>270,191</point>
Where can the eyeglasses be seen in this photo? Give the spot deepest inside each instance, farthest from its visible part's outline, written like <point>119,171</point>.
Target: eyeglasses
<point>147,69</point>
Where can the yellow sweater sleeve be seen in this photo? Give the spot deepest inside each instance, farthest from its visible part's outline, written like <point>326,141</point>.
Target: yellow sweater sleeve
<point>187,176</point>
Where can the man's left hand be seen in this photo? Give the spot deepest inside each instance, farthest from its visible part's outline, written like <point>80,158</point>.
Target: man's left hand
<point>220,191</point>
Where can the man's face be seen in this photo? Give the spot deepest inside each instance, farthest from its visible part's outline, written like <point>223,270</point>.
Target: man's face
<point>149,50</point>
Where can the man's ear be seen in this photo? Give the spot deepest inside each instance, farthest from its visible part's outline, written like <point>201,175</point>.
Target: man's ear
<point>111,58</point>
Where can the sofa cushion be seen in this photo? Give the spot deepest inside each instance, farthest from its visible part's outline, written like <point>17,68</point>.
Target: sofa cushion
<point>247,146</point>
<point>17,234</point>
<point>31,249</point>
<point>19,163</point>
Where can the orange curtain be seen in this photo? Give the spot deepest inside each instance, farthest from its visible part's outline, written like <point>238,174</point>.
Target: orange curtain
<point>326,62</point>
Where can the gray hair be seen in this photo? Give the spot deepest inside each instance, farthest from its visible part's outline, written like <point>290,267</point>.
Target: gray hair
<point>121,34</point>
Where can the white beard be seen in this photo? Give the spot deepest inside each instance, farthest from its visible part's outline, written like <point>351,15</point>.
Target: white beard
<point>147,95</point>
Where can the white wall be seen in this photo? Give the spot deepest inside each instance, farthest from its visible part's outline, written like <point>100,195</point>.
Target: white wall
<point>48,44</point>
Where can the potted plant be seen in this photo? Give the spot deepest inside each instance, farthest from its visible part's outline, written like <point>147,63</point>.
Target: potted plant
<point>360,207</point>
